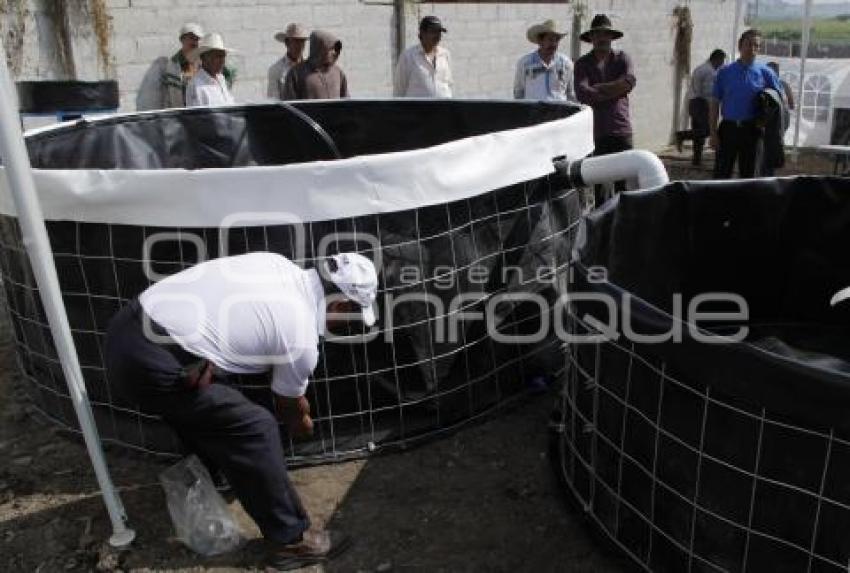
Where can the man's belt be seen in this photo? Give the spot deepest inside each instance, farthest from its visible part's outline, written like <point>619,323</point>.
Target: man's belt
<point>740,122</point>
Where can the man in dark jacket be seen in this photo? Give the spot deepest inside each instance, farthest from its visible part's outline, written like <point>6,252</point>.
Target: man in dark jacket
<point>771,117</point>
<point>318,77</point>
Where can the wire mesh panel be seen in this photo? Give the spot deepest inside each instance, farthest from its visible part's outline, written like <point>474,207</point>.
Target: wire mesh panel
<point>707,453</point>
<point>451,343</point>
<point>683,478</point>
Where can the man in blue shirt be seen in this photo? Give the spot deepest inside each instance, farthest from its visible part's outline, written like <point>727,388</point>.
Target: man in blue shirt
<point>736,89</point>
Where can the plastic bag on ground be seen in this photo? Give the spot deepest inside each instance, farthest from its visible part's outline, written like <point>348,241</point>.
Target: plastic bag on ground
<point>200,515</point>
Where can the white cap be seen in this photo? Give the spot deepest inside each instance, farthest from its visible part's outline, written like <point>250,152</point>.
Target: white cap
<point>356,278</point>
<point>191,28</point>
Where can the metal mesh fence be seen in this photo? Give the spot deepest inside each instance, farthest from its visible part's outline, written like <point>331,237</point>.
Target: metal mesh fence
<point>683,478</point>
<point>366,396</point>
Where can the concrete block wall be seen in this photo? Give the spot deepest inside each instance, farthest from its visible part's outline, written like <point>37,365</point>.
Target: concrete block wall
<point>485,39</point>
<point>145,29</point>
<point>649,37</point>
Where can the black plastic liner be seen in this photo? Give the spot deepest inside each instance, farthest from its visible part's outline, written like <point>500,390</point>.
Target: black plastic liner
<point>840,127</point>
<point>366,396</point>
<point>726,456</point>
<point>274,135</point>
<point>67,96</point>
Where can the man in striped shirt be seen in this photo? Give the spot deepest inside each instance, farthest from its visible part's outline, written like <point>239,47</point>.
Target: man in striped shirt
<point>544,74</point>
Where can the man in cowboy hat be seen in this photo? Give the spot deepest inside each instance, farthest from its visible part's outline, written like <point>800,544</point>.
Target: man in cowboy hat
<point>425,70</point>
<point>295,38</point>
<point>604,77</point>
<point>318,77</point>
<point>544,74</point>
<point>171,349</point>
<point>208,86</point>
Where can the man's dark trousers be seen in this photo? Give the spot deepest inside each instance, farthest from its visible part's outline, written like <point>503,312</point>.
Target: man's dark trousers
<point>739,141</point>
<point>216,422</point>
<point>698,110</point>
<point>605,145</point>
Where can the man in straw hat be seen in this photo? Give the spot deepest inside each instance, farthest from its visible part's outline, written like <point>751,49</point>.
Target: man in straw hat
<point>318,77</point>
<point>544,74</point>
<point>295,38</point>
<point>172,349</point>
<point>425,70</point>
<point>209,86</point>
<point>604,77</point>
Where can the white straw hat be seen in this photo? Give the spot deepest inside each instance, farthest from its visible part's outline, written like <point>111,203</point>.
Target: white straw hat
<point>212,41</point>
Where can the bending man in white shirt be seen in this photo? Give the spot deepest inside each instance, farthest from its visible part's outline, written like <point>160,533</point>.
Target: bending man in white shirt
<point>425,70</point>
<point>208,86</point>
<point>169,349</point>
<point>545,74</point>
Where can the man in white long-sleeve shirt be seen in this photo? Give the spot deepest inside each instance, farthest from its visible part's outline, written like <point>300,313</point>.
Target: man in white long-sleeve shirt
<point>425,70</point>
<point>208,86</point>
<point>544,74</point>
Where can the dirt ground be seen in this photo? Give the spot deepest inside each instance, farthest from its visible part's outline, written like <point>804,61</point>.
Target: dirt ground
<point>484,499</point>
<point>679,167</point>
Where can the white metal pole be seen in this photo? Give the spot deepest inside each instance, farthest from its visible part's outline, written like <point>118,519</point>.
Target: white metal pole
<point>804,50</point>
<point>736,28</point>
<point>17,168</point>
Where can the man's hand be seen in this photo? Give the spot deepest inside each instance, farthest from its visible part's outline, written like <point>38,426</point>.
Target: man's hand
<point>613,89</point>
<point>301,427</point>
<point>295,413</point>
<point>607,90</point>
<point>713,116</point>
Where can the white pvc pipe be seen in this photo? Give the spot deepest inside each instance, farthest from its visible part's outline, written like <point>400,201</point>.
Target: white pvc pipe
<point>739,10</point>
<point>804,51</point>
<point>16,165</point>
<point>641,169</point>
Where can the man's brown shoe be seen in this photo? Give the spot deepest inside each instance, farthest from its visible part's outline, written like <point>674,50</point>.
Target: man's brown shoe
<point>316,546</point>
